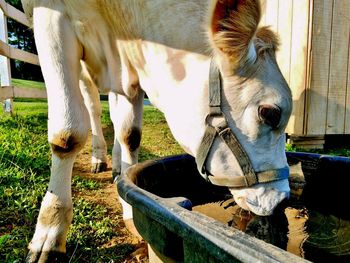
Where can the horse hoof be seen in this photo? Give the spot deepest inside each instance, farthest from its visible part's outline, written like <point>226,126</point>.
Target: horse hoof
<point>115,175</point>
<point>98,167</point>
<point>46,256</point>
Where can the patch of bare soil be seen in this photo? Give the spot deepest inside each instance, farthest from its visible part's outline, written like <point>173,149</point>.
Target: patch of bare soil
<point>107,196</point>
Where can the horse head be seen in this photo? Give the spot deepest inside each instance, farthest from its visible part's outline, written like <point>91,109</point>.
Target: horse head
<point>251,110</point>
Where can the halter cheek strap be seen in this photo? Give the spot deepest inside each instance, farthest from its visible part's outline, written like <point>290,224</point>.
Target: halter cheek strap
<point>220,128</point>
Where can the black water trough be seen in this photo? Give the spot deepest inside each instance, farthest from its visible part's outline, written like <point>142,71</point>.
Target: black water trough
<point>164,193</point>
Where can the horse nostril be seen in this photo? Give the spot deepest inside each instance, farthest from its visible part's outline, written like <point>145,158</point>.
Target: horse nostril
<point>270,115</point>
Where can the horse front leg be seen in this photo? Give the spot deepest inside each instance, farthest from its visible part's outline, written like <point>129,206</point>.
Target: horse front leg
<point>116,151</point>
<point>93,105</point>
<point>68,124</point>
<point>127,119</point>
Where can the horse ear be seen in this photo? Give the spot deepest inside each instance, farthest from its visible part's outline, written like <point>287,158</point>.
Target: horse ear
<point>233,24</point>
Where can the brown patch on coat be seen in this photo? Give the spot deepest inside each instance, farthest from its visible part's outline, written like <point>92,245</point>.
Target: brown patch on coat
<point>176,65</point>
<point>55,215</point>
<point>65,143</point>
<point>133,138</point>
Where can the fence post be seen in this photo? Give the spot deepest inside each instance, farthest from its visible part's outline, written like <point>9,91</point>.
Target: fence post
<point>5,68</point>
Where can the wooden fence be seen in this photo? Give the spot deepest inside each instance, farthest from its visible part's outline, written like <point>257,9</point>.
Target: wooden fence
<point>7,52</point>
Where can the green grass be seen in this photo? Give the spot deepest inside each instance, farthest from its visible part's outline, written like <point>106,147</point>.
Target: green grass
<point>30,84</point>
<point>157,139</point>
<point>81,184</point>
<point>335,151</point>
<point>24,174</point>
<point>31,107</point>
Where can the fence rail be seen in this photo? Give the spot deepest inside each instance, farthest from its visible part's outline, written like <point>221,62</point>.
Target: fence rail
<point>19,92</point>
<point>7,52</point>
<point>15,53</point>
<point>14,13</point>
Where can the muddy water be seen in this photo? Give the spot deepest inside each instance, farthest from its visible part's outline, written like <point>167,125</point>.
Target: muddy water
<point>305,233</point>
<point>313,235</point>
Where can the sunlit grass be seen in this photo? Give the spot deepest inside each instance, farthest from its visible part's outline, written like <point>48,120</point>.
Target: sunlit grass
<point>28,84</point>
<point>24,174</point>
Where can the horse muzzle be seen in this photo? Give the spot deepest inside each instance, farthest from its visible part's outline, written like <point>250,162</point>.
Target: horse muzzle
<point>262,199</point>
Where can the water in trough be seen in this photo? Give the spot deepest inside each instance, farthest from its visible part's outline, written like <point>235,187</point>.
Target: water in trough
<point>305,232</point>
<point>314,223</point>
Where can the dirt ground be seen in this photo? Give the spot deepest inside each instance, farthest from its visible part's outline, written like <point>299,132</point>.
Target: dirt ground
<point>107,196</point>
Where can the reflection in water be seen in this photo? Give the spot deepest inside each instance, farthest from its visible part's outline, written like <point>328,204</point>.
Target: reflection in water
<point>297,233</point>
<point>308,234</point>
<point>304,232</point>
<point>331,235</point>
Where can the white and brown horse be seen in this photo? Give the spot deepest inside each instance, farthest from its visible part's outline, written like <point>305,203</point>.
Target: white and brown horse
<point>174,51</point>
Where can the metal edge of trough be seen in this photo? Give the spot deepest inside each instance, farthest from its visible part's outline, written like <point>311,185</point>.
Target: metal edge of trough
<point>220,241</point>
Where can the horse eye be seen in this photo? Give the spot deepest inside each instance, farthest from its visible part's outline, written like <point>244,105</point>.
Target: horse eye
<point>270,115</point>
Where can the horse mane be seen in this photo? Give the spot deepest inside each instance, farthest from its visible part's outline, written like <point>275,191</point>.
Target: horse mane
<point>266,40</point>
<point>266,43</point>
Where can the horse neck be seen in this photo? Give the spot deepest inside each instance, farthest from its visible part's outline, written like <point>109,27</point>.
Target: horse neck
<point>181,93</point>
<point>175,24</point>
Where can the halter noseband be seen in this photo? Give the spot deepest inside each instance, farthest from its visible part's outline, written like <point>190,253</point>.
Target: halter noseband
<point>220,128</point>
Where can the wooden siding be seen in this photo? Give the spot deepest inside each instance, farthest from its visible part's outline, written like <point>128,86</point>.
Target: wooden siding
<point>315,60</point>
<point>290,19</point>
<point>329,89</point>
<point>321,47</point>
<point>338,73</point>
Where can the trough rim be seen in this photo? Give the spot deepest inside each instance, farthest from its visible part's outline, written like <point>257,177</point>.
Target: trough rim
<point>220,240</point>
